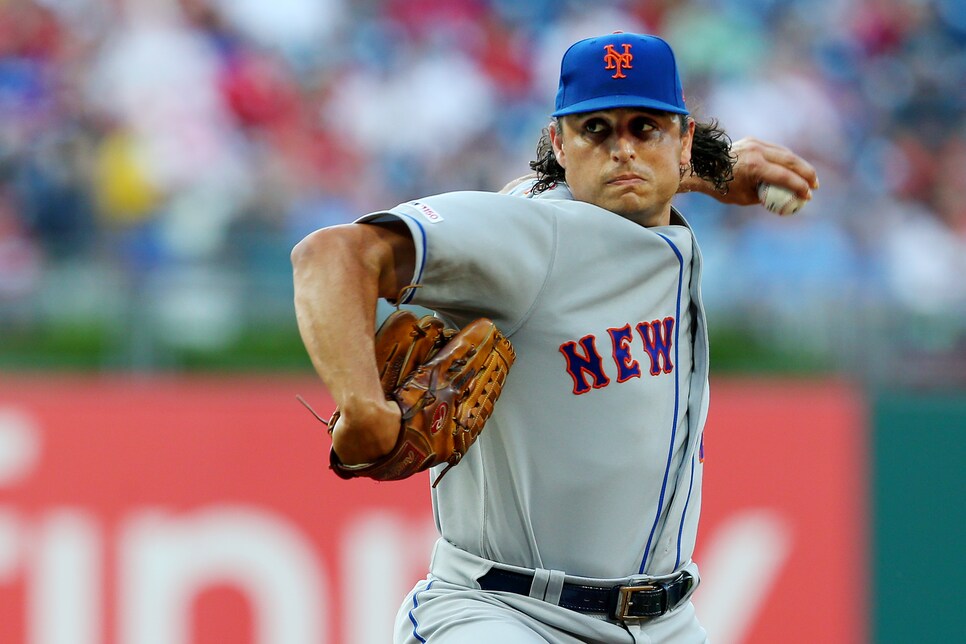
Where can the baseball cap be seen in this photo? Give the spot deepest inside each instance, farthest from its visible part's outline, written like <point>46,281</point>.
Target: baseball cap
<point>619,70</point>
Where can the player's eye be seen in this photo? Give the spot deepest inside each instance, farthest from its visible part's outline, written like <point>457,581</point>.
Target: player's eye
<point>642,126</point>
<point>595,126</point>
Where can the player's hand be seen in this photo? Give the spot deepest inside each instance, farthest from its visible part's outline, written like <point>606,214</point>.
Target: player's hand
<point>761,162</point>
<point>365,432</point>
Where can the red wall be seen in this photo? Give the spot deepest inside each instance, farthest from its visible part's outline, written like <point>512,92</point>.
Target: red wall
<point>139,510</point>
<point>782,543</point>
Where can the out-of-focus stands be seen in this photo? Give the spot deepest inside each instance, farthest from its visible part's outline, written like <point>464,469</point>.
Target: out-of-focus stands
<point>158,160</point>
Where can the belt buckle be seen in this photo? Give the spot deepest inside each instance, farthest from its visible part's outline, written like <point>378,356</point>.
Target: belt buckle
<point>633,605</point>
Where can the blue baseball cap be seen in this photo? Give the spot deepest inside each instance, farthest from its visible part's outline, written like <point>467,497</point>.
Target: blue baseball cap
<point>619,70</point>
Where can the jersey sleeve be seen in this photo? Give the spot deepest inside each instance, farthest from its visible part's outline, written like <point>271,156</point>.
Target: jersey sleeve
<point>478,254</point>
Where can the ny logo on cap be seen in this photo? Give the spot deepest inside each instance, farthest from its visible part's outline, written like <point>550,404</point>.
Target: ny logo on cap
<point>618,61</point>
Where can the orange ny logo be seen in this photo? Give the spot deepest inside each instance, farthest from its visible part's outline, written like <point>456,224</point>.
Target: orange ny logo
<point>618,62</point>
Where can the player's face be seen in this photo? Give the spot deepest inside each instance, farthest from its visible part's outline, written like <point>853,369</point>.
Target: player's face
<point>626,160</point>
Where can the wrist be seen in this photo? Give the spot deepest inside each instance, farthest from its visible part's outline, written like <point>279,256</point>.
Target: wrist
<point>367,429</point>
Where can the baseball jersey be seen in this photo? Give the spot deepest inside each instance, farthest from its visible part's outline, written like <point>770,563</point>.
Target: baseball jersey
<point>592,460</point>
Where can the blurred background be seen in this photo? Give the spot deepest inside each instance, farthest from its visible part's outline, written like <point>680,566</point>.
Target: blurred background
<point>160,158</point>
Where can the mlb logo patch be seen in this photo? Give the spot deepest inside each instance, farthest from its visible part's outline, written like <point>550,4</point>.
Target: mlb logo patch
<point>431,215</point>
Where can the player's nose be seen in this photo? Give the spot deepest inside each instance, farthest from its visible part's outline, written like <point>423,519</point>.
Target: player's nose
<point>623,148</point>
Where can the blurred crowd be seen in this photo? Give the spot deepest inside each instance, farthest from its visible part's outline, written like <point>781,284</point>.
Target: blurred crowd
<point>200,139</point>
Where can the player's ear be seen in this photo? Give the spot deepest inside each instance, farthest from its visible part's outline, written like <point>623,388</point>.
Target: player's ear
<point>555,130</point>
<point>687,138</point>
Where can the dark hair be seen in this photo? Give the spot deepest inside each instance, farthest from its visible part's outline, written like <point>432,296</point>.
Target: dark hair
<point>711,157</point>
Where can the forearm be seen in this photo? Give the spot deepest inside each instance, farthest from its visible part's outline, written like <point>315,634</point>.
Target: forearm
<point>339,274</point>
<point>335,298</point>
<point>758,162</point>
<point>694,183</point>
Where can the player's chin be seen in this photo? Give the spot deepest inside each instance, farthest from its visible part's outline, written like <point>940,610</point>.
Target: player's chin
<point>629,202</point>
<point>645,211</point>
<point>631,192</point>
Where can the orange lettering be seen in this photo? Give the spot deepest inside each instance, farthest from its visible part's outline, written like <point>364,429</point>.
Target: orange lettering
<point>618,61</point>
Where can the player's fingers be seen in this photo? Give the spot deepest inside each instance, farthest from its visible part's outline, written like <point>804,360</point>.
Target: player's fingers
<point>367,435</point>
<point>775,164</point>
<point>786,159</point>
<point>798,180</point>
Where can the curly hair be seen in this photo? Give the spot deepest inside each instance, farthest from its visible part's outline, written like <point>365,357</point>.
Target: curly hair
<point>711,157</point>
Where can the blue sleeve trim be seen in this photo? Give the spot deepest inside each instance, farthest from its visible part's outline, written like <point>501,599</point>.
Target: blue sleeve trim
<point>418,277</point>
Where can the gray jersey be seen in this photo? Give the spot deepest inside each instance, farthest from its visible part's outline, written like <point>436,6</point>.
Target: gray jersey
<point>591,461</point>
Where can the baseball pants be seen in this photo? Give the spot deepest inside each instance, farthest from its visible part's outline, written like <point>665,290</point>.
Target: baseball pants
<point>449,608</point>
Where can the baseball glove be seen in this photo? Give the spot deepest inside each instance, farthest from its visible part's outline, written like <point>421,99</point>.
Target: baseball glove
<point>445,383</point>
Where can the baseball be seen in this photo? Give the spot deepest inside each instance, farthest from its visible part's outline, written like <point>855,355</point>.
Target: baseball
<point>779,200</point>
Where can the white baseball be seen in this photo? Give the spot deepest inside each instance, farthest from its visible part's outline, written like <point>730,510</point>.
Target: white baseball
<point>779,200</point>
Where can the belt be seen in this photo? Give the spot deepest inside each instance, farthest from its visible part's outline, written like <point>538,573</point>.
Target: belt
<point>623,603</point>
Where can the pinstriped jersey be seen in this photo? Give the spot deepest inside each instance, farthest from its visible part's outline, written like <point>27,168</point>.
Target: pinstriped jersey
<point>591,462</point>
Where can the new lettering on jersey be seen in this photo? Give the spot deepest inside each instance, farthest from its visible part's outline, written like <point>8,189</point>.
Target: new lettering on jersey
<point>657,342</point>
<point>585,362</point>
<point>627,366</point>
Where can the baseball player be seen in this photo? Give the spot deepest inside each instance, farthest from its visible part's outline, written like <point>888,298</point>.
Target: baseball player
<point>573,518</point>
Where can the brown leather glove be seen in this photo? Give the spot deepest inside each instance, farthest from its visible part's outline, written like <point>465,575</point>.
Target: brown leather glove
<point>445,383</point>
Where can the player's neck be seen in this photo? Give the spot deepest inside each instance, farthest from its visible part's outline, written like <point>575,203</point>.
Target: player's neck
<point>649,219</point>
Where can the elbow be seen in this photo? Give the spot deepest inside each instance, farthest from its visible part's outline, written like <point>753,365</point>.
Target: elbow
<point>336,252</point>
<point>350,253</point>
<point>314,259</point>
<point>307,248</point>
<point>316,247</point>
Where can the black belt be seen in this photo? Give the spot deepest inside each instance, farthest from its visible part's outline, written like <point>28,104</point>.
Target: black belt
<point>623,603</point>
